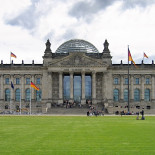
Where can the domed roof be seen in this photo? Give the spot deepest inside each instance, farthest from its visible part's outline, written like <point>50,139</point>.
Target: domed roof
<point>77,45</point>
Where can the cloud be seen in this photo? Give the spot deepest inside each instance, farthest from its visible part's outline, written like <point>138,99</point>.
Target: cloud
<point>85,9</point>
<point>29,18</point>
<point>69,34</point>
<point>140,3</point>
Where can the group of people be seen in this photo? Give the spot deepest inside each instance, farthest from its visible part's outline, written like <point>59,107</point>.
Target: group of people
<point>142,113</point>
<point>94,112</point>
<point>68,104</point>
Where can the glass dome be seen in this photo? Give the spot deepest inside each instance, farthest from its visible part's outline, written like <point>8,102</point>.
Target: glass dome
<point>77,45</point>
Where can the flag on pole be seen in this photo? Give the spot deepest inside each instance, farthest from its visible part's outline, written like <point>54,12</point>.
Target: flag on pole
<point>13,55</point>
<point>12,86</point>
<point>130,57</point>
<point>34,86</point>
<point>145,56</point>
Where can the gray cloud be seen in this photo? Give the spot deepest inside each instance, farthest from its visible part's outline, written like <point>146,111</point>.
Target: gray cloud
<point>29,17</point>
<point>70,33</point>
<point>127,4</point>
<point>49,35</point>
<point>85,9</point>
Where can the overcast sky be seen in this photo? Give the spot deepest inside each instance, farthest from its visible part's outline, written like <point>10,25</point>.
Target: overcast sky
<point>25,25</point>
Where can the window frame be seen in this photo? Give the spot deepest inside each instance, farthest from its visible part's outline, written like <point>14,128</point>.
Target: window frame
<point>17,95</point>
<point>116,95</point>
<point>28,80</point>
<point>136,95</point>
<point>116,80</point>
<point>147,95</point>
<point>7,80</point>
<point>126,81</point>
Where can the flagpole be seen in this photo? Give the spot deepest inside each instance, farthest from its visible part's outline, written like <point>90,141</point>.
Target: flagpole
<point>10,101</point>
<point>20,101</point>
<point>30,99</point>
<point>10,57</point>
<point>128,81</point>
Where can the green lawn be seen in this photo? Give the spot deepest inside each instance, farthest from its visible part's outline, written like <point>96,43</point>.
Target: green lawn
<point>77,135</point>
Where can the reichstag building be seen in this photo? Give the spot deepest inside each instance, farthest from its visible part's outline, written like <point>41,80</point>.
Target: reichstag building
<point>77,72</point>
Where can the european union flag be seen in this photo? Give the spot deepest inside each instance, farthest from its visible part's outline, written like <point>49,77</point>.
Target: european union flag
<point>12,86</point>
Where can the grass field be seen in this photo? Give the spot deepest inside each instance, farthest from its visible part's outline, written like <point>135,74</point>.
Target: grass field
<point>76,135</point>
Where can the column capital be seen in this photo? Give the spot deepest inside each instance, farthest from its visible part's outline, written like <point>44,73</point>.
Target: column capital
<point>60,72</point>
<point>49,73</point>
<point>71,72</point>
<point>93,72</point>
<point>142,75</point>
<point>83,72</point>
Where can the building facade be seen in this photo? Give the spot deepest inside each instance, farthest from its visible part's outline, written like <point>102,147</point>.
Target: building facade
<point>77,72</point>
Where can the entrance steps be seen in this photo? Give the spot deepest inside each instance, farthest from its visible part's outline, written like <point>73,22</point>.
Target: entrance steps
<point>76,110</point>
<point>67,111</point>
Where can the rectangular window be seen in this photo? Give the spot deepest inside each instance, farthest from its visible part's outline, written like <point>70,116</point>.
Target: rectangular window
<point>126,81</point>
<point>6,80</point>
<point>137,81</point>
<point>147,81</point>
<point>115,80</point>
<point>27,80</point>
<point>38,81</point>
<point>17,81</point>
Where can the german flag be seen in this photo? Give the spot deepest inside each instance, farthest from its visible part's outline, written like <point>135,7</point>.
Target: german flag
<point>34,86</point>
<point>13,55</point>
<point>130,58</point>
<point>145,55</point>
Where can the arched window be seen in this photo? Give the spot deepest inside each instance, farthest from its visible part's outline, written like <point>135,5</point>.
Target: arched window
<point>136,95</point>
<point>126,95</point>
<point>7,95</point>
<point>147,94</point>
<point>17,95</point>
<point>116,95</point>
<point>38,95</point>
<point>27,95</point>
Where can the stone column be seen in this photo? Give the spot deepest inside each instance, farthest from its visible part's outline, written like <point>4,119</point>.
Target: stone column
<point>94,87</point>
<point>50,85</point>
<point>71,86</point>
<point>48,104</point>
<point>44,87</point>
<point>60,88</point>
<point>103,87</point>
<point>83,101</point>
<point>142,88</point>
<point>153,90</point>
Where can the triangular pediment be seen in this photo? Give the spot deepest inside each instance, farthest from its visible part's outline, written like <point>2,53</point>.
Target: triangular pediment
<point>76,59</point>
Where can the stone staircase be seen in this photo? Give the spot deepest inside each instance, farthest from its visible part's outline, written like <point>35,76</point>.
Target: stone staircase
<point>71,111</point>
<point>68,111</point>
